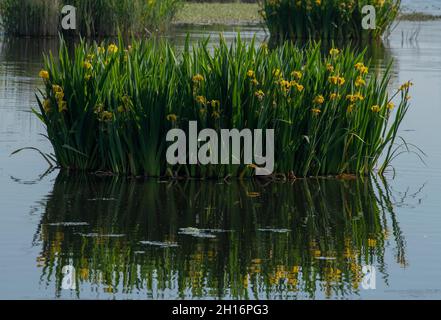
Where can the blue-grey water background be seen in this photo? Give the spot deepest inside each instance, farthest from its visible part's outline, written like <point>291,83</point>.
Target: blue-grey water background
<point>33,205</point>
<point>424,6</point>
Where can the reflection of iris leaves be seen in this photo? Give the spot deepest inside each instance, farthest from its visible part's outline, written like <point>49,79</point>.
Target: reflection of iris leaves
<point>259,248</point>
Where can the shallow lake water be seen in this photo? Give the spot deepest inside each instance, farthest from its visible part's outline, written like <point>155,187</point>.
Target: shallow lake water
<point>148,239</point>
<point>424,6</point>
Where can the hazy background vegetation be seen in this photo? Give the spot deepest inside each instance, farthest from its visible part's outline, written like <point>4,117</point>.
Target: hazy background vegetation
<point>94,17</point>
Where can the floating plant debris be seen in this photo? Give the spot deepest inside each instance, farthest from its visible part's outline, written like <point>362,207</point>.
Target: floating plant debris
<point>160,244</point>
<point>68,224</point>
<point>198,233</point>
<point>274,230</point>
<point>99,235</point>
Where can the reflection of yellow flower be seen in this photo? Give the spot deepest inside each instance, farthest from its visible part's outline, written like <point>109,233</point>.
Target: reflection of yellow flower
<point>255,268</point>
<point>172,118</point>
<point>44,74</point>
<point>84,273</point>
<point>245,281</point>
<point>41,261</point>
<point>390,106</point>
<point>292,282</point>
<point>372,243</point>
<point>295,269</point>
<point>250,73</point>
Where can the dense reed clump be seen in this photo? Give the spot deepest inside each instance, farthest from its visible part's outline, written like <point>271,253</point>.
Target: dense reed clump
<point>30,17</point>
<point>94,17</point>
<point>110,108</point>
<point>327,19</point>
<point>107,17</point>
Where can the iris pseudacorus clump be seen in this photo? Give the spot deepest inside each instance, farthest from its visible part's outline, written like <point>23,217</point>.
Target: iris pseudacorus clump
<point>330,115</point>
<point>329,20</point>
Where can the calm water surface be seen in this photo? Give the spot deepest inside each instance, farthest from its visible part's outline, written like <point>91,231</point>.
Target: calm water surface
<point>425,6</point>
<point>149,239</point>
